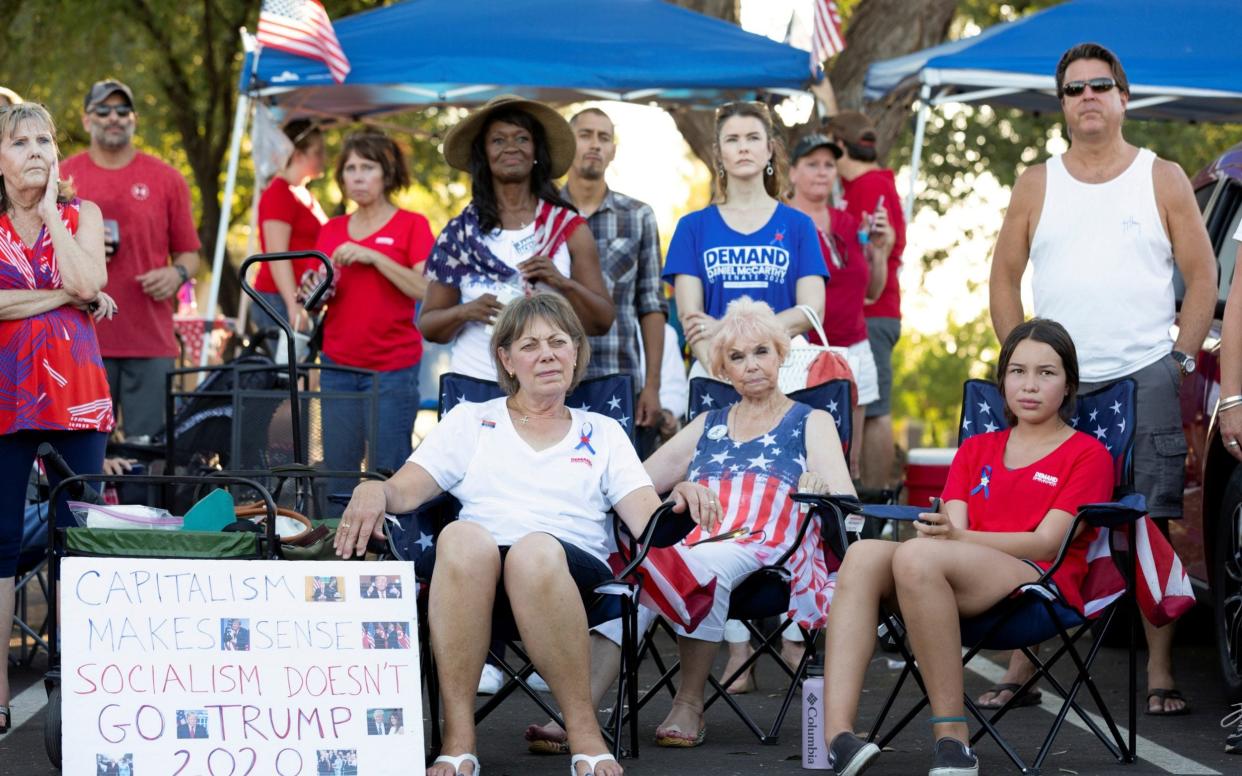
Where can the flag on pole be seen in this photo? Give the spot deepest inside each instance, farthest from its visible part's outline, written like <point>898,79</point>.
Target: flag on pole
<point>827,39</point>
<point>302,27</point>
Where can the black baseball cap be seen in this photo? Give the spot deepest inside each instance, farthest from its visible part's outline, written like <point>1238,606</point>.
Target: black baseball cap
<point>102,90</point>
<point>813,142</point>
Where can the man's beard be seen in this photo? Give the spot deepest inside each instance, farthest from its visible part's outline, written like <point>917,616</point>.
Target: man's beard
<point>112,141</point>
<point>592,171</point>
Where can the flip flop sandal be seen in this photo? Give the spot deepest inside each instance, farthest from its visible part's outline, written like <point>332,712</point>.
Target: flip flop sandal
<point>547,746</point>
<point>590,760</point>
<point>1020,700</point>
<point>459,761</point>
<point>8,719</point>
<point>1166,695</point>
<point>538,742</point>
<point>679,740</point>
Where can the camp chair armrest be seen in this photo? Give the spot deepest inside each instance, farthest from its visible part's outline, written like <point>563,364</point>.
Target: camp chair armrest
<point>1113,514</point>
<point>664,529</point>
<point>832,509</point>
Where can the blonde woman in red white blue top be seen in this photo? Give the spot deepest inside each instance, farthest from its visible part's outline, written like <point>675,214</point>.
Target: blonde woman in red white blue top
<point>53,387</point>
<point>517,236</point>
<point>536,480</point>
<point>1009,501</point>
<point>753,455</point>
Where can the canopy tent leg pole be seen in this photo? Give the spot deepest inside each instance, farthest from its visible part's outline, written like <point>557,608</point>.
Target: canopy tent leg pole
<point>916,155</point>
<point>226,210</point>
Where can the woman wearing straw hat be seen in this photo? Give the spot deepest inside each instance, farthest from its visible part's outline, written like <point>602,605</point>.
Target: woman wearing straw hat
<point>517,235</point>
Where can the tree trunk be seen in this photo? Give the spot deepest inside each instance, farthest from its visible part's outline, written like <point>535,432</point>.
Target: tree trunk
<point>878,29</point>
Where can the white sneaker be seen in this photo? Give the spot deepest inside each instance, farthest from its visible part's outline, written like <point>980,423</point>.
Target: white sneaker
<point>490,680</point>
<point>537,683</point>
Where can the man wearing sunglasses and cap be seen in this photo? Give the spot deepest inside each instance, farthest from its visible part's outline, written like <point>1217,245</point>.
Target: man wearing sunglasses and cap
<point>147,222</point>
<point>1105,225</point>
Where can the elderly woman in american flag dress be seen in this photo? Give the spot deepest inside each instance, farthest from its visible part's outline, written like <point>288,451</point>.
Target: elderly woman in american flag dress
<point>754,455</point>
<point>53,387</point>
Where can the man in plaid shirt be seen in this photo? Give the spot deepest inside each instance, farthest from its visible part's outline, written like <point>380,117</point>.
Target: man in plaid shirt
<point>629,256</point>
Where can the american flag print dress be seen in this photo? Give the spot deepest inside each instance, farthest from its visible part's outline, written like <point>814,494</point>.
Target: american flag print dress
<point>754,480</point>
<point>52,377</point>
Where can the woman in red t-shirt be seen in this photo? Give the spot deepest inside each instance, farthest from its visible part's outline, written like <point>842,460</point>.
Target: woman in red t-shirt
<point>289,220</point>
<point>378,252</point>
<point>856,269</point>
<point>1009,501</point>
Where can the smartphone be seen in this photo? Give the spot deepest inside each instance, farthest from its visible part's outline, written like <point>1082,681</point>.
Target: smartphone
<point>935,507</point>
<point>879,205</point>
<point>112,237</point>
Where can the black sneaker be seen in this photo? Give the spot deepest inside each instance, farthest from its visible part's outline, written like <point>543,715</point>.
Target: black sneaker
<point>953,758</point>
<point>1233,742</point>
<point>849,755</point>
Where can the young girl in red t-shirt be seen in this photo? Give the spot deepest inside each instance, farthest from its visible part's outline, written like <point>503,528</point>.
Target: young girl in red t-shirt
<point>1010,498</point>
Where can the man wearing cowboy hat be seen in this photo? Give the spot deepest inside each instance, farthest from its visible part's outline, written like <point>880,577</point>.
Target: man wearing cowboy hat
<point>517,236</point>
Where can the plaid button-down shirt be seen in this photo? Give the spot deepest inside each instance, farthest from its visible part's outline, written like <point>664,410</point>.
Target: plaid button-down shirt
<point>629,256</point>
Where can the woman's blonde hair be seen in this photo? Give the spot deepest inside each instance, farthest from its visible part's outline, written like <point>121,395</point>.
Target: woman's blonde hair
<point>11,116</point>
<point>773,183</point>
<point>744,317</point>
<point>517,317</point>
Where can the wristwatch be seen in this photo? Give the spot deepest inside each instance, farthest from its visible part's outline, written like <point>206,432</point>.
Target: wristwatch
<point>1184,362</point>
<point>183,272</point>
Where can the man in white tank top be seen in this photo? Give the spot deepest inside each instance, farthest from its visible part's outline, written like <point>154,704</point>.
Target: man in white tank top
<point>1104,225</point>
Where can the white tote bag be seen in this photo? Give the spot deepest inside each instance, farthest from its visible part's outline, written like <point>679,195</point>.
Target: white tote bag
<point>802,354</point>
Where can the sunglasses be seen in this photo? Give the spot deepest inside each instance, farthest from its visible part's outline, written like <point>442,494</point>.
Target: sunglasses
<point>1098,85</point>
<point>102,111</point>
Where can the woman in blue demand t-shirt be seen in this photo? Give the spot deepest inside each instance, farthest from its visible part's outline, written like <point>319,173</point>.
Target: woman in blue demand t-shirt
<point>746,243</point>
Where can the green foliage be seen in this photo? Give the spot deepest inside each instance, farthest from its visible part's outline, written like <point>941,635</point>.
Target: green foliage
<point>928,372</point>
<point>964,142</point>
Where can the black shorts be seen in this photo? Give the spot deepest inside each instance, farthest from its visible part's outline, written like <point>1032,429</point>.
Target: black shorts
<point>586,570</point>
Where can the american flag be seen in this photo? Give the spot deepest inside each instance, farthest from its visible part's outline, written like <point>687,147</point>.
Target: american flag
<point>827,38</point>
<point>302,27</point>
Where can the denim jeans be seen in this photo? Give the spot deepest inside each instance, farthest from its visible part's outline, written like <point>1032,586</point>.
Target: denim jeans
<point>345,422</point>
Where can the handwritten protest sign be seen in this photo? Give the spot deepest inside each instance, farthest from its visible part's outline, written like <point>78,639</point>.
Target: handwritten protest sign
<point>229,668</point>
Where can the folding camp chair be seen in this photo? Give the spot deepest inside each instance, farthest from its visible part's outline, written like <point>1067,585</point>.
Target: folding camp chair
<point>611,395</point>
<point>766,592</point>
<point>1036,613</point>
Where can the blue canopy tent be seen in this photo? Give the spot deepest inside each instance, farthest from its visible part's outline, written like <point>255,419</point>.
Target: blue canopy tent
<point>427,52</point>
<point>456,52</point>
<point>1182,59</point>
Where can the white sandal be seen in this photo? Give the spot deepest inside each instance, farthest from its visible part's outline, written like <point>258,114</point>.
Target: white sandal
<point>590,760</point>
<point>458,761</point>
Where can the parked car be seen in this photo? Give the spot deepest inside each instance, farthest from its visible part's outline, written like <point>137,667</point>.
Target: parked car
<point>1209,538</point>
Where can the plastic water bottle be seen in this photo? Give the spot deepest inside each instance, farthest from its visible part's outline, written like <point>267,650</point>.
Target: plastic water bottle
<point>814,750</point>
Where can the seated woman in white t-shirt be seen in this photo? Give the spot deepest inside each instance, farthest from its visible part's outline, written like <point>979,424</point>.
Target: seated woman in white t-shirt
<point>517,236</point>
<point>548,543</point>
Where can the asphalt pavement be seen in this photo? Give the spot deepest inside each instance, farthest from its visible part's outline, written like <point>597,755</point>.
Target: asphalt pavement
<point>1190,744</point>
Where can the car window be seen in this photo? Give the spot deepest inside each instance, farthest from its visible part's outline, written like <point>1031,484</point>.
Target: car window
<point>1225,200</point>
<point>1227,254</point>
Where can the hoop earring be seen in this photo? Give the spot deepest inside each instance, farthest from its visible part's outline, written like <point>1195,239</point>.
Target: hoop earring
<point>769,169</point>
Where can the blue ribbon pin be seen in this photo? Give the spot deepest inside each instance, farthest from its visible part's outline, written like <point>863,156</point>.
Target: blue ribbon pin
<point>985,477</point>
<point>584,437</point>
